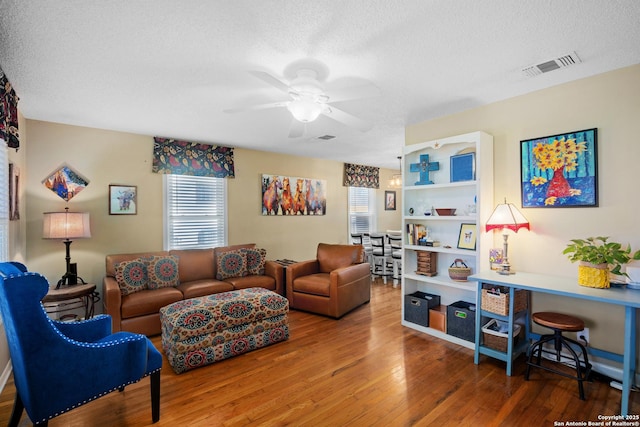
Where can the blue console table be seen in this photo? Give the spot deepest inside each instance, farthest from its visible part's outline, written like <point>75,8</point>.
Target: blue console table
<point>629,299</point>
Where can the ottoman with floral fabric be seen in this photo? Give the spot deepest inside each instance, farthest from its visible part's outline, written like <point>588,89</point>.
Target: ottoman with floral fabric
<point>200,331</point>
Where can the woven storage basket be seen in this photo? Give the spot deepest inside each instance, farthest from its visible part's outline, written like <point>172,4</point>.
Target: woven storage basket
<point>496,340</point>
<point>459,273</point>
<point>499,303</point>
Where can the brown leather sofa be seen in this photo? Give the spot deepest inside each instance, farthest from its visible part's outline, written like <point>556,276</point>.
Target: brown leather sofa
<point>333,284</point>
<point>197,269</point>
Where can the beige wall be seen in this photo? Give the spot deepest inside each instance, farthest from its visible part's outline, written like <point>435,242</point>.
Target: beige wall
<point>609,102</point>
<point>108,157</point>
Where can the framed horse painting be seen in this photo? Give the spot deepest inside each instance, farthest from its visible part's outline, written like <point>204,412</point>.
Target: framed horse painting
<point>287,195</point>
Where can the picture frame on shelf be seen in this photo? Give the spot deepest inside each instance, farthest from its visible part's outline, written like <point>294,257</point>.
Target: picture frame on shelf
<point>467,237</point>
<point>389,200</point>
<point>123,199</point>
<point>495,258</point>
<point>463,167</point>
<point>560,171</point>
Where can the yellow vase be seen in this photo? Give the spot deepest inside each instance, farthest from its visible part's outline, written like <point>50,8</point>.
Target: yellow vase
<point>593,275</point>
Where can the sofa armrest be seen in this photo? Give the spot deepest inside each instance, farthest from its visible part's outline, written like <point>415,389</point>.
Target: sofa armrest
<point>346,275</point>
<point>112,301</point>
<point>275,270</point>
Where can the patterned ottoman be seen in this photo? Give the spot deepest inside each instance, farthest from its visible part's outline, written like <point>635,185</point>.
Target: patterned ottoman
<point>200,331</point>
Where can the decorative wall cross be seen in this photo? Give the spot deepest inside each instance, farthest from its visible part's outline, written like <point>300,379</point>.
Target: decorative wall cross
<point>424,166</point>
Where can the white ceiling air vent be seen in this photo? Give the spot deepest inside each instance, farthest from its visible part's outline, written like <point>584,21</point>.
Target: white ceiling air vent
<point>553,64</point>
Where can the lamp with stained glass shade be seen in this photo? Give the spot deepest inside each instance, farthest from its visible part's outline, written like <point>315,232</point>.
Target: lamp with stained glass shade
<point>506,217</point>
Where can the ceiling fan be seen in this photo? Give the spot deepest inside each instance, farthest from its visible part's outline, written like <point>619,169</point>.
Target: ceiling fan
<point>308,98</point>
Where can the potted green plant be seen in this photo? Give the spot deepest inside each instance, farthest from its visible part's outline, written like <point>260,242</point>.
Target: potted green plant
<point>598,257</point>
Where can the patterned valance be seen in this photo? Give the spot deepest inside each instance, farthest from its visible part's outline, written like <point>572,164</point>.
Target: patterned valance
<point>361,176</point>
<point>172,156</point>
<point>8,113</point>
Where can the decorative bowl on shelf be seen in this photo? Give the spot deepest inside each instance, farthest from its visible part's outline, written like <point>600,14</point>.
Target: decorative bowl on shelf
<point>445,211</point>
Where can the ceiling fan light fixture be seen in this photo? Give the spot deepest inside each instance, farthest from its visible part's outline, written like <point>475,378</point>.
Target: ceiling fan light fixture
<point>305,110</point>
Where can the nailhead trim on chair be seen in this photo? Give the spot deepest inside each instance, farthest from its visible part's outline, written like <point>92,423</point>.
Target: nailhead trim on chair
<point>95,397</point>
<point>136,337</point>
<point>93,345</point>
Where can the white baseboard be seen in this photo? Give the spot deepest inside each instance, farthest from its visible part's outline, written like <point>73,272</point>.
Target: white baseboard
<point>5,375</point>
<point>602,366</point>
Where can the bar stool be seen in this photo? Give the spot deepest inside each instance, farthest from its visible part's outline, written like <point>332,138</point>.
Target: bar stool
<point>381,253</point>
<point>395,242</point>
<point>363,239</point>
<point>560,323</point>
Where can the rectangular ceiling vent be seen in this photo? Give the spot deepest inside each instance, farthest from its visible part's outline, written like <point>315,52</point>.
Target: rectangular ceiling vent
<point>326,137</point>
<point>554,64</point>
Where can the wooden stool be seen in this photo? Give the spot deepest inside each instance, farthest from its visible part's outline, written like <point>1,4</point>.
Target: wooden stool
<point>560,323</point>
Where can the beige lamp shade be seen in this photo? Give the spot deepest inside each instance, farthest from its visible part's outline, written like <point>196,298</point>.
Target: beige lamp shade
<point>66,225</point>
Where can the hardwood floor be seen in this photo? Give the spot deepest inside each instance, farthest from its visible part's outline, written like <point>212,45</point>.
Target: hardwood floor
<point>362,370</point>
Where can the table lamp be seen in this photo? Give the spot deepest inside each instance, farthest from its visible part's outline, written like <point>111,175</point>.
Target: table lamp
<point>506,217</point>
<point>67,225</point>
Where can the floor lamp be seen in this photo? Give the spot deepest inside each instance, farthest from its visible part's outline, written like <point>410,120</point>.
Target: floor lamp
<point>67,225</point>
<point>506,217</point>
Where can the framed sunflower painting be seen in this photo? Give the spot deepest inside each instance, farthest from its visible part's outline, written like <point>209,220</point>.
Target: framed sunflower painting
<point>560,171</point>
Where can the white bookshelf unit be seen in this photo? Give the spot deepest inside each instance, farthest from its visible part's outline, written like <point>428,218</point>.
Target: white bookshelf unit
<point>472,197</point>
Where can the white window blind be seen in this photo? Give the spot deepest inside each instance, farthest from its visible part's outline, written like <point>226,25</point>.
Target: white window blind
<point>4,201</point>
<point>361,209</point>
<point>195,212</point>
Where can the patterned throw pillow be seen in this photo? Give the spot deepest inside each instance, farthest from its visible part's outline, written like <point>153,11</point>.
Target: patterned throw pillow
<point>162,271</point>
<point>131,276</point>
<point>231,264</point>
<point>255,261</point>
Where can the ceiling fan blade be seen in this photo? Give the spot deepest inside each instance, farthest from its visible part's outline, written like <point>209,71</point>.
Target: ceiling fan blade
<point>269,79</point>
<point>346,118</point>
<point>297,129</point>
<point>257,107</point>
<point>354,92</point>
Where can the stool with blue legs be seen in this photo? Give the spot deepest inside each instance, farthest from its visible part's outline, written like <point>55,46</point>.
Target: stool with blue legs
<point>560,323</point>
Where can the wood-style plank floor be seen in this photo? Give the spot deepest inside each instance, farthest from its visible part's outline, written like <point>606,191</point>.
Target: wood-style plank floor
<point>362,370</point>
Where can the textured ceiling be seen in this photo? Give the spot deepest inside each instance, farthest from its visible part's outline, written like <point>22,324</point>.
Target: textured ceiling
<point>167,68</point>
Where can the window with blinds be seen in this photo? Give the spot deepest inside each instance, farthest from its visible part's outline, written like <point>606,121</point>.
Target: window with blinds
<point>361,209</point>
<point>195,212</point>
<point>4,201</point>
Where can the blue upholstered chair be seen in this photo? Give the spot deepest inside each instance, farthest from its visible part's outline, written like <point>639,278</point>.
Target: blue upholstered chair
<point>59,366</point>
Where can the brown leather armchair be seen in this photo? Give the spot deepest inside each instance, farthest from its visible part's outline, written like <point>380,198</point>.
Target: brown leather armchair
<point>333,284</point>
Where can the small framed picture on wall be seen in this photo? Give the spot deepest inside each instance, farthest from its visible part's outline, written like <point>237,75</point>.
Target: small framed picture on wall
<point>123,199</point>
<point>389,200</point>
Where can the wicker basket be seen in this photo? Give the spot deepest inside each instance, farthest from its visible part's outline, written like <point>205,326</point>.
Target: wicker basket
<point>459,273</point>
<point>496,340</point>
<point>498,303</point>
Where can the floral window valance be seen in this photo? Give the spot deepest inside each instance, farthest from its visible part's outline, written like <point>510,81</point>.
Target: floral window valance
<point>8,113</point>
<point>361,176</point>
<point>172,156</point>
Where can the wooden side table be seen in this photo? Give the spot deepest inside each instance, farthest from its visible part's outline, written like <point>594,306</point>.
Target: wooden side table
<point>67,298</point>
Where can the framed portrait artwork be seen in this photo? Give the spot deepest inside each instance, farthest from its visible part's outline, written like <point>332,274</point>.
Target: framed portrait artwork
<point>389,200</point>
<point>123,199</point>
<point>467,237</point>
<point>560,171</point>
